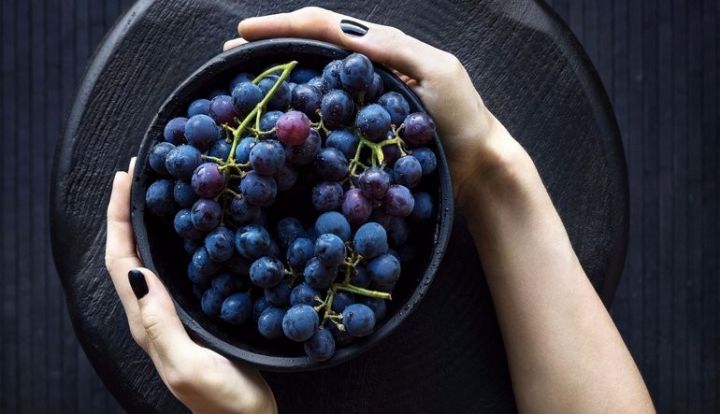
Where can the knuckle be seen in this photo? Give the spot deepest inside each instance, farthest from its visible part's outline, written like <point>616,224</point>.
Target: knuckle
<point>312,11</point>
<point>395,34</point>
<point>179,380</point>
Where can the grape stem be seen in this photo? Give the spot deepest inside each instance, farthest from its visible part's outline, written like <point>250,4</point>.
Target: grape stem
<point>361,291</point>
<point>377,156</point>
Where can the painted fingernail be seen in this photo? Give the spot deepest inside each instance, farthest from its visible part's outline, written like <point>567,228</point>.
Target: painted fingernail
<point>353,28</point>
<point>137,283</point>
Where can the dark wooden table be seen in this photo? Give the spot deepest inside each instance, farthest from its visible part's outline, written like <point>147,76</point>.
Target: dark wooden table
<point>448,357</point>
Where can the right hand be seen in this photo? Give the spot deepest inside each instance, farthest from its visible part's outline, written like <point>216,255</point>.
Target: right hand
<point>472,137</point>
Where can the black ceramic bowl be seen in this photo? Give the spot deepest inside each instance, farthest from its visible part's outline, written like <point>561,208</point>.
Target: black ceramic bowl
<point>161,250</point>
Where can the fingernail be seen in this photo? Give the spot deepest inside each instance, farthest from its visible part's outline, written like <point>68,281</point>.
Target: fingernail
<point>353,28</point>
<point>137,283</point>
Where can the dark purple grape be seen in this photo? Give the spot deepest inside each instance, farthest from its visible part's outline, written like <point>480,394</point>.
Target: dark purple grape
<point>201,132</point>
<point>242,151</point>
<point>159,198</point>
<point>397,231</point>
<point>299,252</point>
<point>330,250</point>
<point>253,241</point>
<point>375,90</point>
<point>408,171</point>
<point>206,214</point>
<point>356,207</point>
<point>268,121</point>
<point>378,306</point>
<point>373,121</point>
<point>300,323</point>
<point>259,307</point>
<point>238,265</point>
<point>211,302</point>
<point>174,131</point>
<point>419,129</point>
<point>243,212</point>
<point>286,177</point>
<point>240,78</point>
<point>335,223</point>
<point>196,277</point>
<point>427,159</point>
<point>245,97</point>
<point>319,83</point>
<point>341,301</point>
<point>226,284</point>
<point>191,245</point>
<point>391,153</point>
<point>396,105</point>
<point>278,295</point>
<point>317,275</point>
<point>304,154</point>
<point>266,272</point>
<point>281,99</point>
<point>203,263</point>
<point>182,161</point>
<point>384,271</point>
<point>304,294</point>
<point>288,229</point>
<point>219,244</point>
<point>321,346</point>
<point>222,110</point>
<point>344,140</point>
<point>370,240</point>
<point>220,149</point>
<point>337,109</point>
<point>236,309</point>
<point>356,73</point>
<point>157,155</point>
<point>331,75</point>
<point>399,201</point>
<point>302,74</point>
<point>331,164</point>
<point>423,206</point>
<point>207,180</point>
<point>293,128</point>
<point>198,107</point>
<point>360,277</point>
<point>184,227</point>
<point>259,190</point>
<point>327,196</point>
<point>267,156</point>
<point>374,183</point>
<point>307,99</point>
<point>381,217</point>
<point>270,322</point>
<point>359,320</point>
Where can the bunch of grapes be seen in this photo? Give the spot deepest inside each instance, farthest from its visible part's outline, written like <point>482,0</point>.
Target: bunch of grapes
<point>334,140</point>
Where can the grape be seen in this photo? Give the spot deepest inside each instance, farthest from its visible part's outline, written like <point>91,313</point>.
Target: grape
<point>299,252</point>
<point>267,156</point>
<point>240,78</point>
<point>245,96</point>
<point>226,284</point>
<point>266,272</point>
<point>286,177</point>
<point>198,107</point>
<point>243,212</point>
<point>396,105</point>
<point>211,302</point>
<point>370,240</point>
<point>242,151</point>
<point>304,154</point>
<point>159,198</point>
<point>378,306</point>
<point>331,74</point>
<point>258,189</point>
<point>190,245</point>
<point>302,74</point>
<point>427,159</point>
<point>236,309</point>
<point>270,322</point>
<point>391,153</point>
<point>184,226</point>
<point>291,86</point>
<point>337,109</point>
<point>375,90</point>
<point>281,98</point>
<point>408,171</point>
<point>321,346</point>
<point>419,129</point>
<point>356,73</point>
<point>201,131</point>
<point>327,196</point>
<point>373,121</point>
<point>344,140</point>
<point>384,271</point>
<point>207,180</point>
<point>423,206</point>
<point>356,207</point>
<point>341,301</point>
<point>182,161</point>
<point>222,110</point>
<point>289,229</point>
<point>374,183</point>
<point>359,320</point>
<point>219,244</point>
<point>259,306</point>
<point>319,83</point>
<point>397,231</point>
<point>360,277</point>
<point>252,241</point>
<point>157,156</point>
<point>399,201</point>
<point>331,164</point>
<point>278,295</point>
<point>293,128</point>
<point>381,217</point>
<point>238,265</point>
<point>268,121</point>
<point>195,276</point>
<point>306,99</point>
<point>220,149</point>
<point>206,214</point>
<point>304,294</point>
<point>335,223</point>
<point>317,275</point>
<point>203,263</point>
<point>330,250</point>
<point>174,131</point>
<point>300,322</point>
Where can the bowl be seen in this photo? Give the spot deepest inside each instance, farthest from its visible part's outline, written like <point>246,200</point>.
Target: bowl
<point>162,252</point>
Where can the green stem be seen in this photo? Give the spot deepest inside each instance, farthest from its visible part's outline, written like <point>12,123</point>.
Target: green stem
<point>361,291</point>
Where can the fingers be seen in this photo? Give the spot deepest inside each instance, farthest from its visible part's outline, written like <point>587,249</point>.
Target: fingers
<point>383,44</point>
<point>232,43</point>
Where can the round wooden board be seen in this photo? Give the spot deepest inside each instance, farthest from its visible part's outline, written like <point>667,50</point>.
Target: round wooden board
<point>448,356</point>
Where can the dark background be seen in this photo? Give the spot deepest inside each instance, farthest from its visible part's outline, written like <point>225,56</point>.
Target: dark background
<point>659,63</point>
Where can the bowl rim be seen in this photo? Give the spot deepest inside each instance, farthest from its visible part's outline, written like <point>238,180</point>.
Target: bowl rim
<point>443,224</point>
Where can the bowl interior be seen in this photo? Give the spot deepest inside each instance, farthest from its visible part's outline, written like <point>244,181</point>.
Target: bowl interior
<point>161,249</point>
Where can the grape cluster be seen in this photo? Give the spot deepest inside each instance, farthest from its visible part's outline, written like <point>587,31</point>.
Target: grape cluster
<point>335,138</point>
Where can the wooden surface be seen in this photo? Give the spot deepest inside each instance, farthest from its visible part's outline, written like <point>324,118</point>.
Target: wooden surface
<point>659,63</point>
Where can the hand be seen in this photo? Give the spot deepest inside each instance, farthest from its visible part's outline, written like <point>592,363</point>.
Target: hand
<point>473,139</point>
<point>201,379</point>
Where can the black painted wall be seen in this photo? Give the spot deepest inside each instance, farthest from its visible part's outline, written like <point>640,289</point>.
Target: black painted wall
<point>659,62</point>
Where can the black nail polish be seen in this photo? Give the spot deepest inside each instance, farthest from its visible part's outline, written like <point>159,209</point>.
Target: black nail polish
<point>353,28</point>
<point>137,283</point>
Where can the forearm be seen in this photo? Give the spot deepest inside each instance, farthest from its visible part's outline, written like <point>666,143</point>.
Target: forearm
<point>564,351</point>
